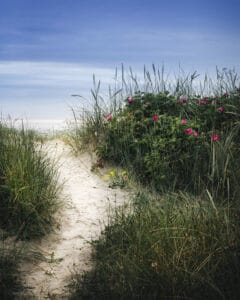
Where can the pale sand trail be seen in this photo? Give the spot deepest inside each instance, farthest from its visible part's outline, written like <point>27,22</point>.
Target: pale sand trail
<point>82,219</point>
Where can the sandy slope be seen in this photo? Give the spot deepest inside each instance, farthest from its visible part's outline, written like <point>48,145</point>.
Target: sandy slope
<point>82,218</point>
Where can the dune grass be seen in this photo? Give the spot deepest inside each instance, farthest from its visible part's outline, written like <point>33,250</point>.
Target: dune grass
<point>181,141</point>
<point>28,185</point>
<point>173,247</point>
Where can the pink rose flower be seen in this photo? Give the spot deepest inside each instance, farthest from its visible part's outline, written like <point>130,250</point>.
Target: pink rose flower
<point>182,100</point>
<point>188,131</point>
<point>130,99</point>
<point>108,117</point>
<point>195,133</point>
<point>215,137</point>
<point>203,101</point>
<point>184,121</point>
<point>214,101</point>
<point>220,109</point>
<point>155,117</point>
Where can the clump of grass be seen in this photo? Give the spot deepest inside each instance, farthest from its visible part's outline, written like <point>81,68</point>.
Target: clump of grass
<point>176,247</point>
<point>28,185</point>
<point>88,127</point>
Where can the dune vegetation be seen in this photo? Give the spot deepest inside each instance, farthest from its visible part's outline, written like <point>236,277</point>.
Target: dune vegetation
<point>29,189</point>
<point>179,141</point>
<point>29,196</point>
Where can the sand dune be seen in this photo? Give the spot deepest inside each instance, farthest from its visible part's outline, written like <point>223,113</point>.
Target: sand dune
<point>87,198</point>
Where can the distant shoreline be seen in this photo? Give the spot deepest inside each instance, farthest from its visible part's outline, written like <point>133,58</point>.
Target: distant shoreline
<point>41,125</point>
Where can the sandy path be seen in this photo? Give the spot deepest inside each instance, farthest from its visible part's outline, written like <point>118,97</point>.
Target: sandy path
<point>82,219</point>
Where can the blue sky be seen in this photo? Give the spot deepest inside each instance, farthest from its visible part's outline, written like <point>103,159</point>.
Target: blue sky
<point>50,48</point>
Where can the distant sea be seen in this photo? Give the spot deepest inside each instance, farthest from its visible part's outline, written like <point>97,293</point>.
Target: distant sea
<point>45,126</point>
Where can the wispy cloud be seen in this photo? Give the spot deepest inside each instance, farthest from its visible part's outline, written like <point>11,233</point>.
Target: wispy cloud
<point>128,45</point>
<point>19,73</point>
<point>44,89</point>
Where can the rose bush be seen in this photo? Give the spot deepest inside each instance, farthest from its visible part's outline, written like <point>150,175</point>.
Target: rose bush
<point>166,141</point>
